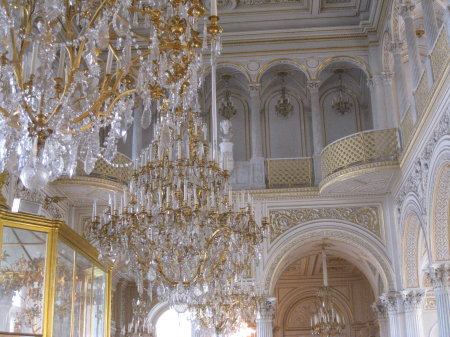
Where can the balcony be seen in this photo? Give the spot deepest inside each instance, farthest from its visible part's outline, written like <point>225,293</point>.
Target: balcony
<point>363,162</point>
<point>84,188</point>
<point>287,173</point>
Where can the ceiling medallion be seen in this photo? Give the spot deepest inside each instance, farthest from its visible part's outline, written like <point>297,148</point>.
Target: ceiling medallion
<point>283,107</point>
<point>227,109</point>
<point>341,102</point>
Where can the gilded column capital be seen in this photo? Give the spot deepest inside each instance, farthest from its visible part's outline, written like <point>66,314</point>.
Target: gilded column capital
<point>254,89</point>
<point>439,275</point>
<point>392,301</point>
<point>380,307</point>
<point>266,307</point>
<point>313,86</point>
<point>413,299</point>
<point>407,10</point>
<point>387,77</point>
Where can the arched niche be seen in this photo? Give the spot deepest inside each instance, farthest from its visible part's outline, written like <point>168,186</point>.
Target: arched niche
<point>232,84</point>
<point>285,135</point>
<point>343,79</point>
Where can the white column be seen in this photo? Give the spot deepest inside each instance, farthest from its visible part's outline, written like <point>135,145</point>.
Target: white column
<point>264,317</point>
<point>394,304</point>
<point>382,314</point>
<point>413,312</point>
<point>440,278</point>
<point>447,18</point>
<point>255,120</point>
<point>403,100</point>
<point>375,84</point>
<point>317,127</point>
<point>257,174</point>
<point>393,116</point>
<point>136,145</point>
<point>406,11</point>
<point>430,23</point>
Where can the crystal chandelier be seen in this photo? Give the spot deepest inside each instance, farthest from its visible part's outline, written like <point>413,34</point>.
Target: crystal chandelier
<point>226,108</point>
<point>341,102</point>
<point>283,107</point>
<point>176,227</point>
<point>226,313</point>
<point>326,322</point>
<point>56,91</point>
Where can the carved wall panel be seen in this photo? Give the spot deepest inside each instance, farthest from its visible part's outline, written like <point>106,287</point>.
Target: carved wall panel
<point>367,217</point>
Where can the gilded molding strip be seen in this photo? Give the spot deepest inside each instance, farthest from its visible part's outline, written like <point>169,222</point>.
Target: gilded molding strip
<point>367,217</point>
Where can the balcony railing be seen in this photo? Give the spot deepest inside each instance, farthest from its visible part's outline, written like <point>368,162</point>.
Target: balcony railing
<point>289,172</point>
<point>103,170</point>
<point>358,149</point>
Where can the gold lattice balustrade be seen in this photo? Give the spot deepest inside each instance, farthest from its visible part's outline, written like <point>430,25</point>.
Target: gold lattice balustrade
<point>358,149</point>
<point>103,170</point>
<point>289,172</point>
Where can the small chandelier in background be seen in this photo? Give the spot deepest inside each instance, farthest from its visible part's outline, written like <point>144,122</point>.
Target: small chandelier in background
<point>283,107</point>
<point>327,321</point>
<point>341,102</point>
<point>227,109</point>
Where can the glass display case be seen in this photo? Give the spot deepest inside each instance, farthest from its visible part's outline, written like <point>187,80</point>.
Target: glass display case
<point>51,281</point>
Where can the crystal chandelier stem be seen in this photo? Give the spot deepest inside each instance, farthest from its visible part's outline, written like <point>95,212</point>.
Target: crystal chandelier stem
<point>214,105</point>
<point>325,270</point>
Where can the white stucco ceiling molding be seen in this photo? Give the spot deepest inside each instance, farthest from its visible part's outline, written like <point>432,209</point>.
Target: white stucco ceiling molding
<point>344,236</point>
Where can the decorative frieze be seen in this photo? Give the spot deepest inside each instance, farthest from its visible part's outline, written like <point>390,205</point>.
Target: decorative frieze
<point>367,217</point>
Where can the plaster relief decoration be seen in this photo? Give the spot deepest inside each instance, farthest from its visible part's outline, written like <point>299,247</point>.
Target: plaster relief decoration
<point>225,5</point>
<point>367,217</point>
<point>416,184</point>
<point>417,181</point>
<point>299,316</point>
<point>410,257</point>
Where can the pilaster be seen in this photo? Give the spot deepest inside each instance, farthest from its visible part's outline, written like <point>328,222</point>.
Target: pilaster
<point>412,302</point>
<point>379,113</point>
<point>440,278</point>
<point>266,310</point>
<point>393,301</point>
<point>407,12</point>
<point>404,100</point>
<point>317,127</point>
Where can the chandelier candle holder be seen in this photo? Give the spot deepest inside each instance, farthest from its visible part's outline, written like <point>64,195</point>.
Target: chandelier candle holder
<point>56,90</point>
<point>227,109</point>
<point>326,322</point>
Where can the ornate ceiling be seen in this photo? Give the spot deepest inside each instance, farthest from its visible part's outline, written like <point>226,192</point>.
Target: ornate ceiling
<point>272,20</point>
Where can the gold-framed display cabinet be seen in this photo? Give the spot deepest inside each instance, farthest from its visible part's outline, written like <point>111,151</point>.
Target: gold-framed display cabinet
<point>51,281</point>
